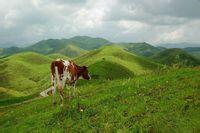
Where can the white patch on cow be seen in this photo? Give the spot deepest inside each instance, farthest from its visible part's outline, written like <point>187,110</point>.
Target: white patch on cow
<point>66,72</point>
<point>66,63</point>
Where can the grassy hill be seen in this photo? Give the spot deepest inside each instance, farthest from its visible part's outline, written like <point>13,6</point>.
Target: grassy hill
<point>71,51</point>
<point>88,43</point>
<point>57,56</point>
<point>164,102</point>
<point>116,55</point>
<point>142,49</point>
<point>195,51</point>
<point>26,73</point>
<point>176,56</point>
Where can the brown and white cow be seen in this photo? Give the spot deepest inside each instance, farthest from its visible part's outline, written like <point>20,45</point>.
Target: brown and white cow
<point>66,72</point>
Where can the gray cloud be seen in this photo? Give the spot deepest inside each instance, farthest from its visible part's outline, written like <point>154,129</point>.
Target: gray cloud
<point>154,21</point>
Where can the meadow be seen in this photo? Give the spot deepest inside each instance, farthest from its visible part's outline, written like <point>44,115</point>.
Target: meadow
<point>166,101</point>
<point>128,92</point>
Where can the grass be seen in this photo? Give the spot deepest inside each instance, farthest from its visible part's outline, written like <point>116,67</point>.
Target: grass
<point>26,73</point>
<point>71,50</point>
<point>117,55</point>
<point>167,101</point>
<point>176,56</point>
<point>57,56</point>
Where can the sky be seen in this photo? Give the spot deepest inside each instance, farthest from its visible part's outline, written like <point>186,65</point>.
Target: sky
<point>23,22</point>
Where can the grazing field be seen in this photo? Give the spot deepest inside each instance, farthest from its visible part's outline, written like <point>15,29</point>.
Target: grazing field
<point>26,73</point>
<point>163,101</point>
<point>127,93</point>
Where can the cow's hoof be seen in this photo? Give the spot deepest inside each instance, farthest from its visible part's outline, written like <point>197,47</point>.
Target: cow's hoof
<point>54,103</point>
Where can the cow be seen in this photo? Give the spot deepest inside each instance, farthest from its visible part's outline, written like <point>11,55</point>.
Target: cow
<point>66,72</point>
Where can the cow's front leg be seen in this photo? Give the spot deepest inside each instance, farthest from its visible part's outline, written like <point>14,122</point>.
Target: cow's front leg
<point>74,89</point>
<point>60,88</point>
<point>69,92</point>
<point>61,97</point>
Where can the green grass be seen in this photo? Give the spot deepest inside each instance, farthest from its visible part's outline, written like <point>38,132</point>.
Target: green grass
<point>57,56</point>
<point>26,73</point>
<point>142,49</point>
<point>71,50</point>
<point>109,70</point>
<point>117,55</point>
<point>167,101</point>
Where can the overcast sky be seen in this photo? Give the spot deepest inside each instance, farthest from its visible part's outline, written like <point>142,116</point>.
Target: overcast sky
<point>153,21</point>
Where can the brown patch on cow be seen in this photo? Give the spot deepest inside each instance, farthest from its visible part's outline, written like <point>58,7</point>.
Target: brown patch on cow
<point>59,65</point>
<point>73,70</point>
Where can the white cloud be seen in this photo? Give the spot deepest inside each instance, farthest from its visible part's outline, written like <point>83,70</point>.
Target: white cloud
<point>153,21</point>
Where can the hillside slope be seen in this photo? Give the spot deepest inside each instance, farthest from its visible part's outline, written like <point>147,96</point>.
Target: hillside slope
<point>142,49</point>
<point>195,51</point>
<point>117,55</point>
<point>176,56</point>
<point>26,72</point>
<point>165,102</point>
<point>71,50</point>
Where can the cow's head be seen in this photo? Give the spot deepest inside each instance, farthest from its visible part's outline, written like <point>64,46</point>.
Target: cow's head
<point>85,73</point>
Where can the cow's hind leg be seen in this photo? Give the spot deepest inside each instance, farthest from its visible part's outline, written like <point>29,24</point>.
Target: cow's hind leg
<point>74,89</point>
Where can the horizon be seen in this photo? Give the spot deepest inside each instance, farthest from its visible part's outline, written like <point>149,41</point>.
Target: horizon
<point>172,21</point>
<point>166,45</point>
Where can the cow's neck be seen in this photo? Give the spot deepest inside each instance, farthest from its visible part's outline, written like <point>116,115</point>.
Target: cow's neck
<point>79,72</point>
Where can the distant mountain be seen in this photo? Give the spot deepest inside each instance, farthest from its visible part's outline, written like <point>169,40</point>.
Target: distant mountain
<point>195,51</point>
<point>70,47</point>
<point>88,43</point>
<point>9,51</point>
<point>7,45</point>
<point>176,56</point>
<point>179,45</point>
<point>142,49</point>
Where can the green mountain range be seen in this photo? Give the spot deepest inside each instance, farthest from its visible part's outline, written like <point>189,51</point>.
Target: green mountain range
<point>142,49</point>
<point>176,56</point>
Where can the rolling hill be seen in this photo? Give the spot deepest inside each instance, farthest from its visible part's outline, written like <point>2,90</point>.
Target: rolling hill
<point>176,56</point>
<point>57,56</point>
<point>142,49</point>
<point>71,51</point>
<point>116,55</point>
<point>25,73</point>
<point>195,51</point>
